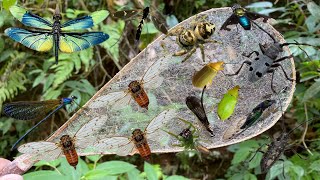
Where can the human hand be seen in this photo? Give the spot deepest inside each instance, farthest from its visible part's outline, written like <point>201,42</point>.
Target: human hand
<point>4,163</point>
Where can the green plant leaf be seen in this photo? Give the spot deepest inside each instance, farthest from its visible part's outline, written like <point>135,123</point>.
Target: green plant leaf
<point>255,162</point>
<point>53,163</point>
<point>94,158</point>
<point>98,174</point>
<point>116,167</point>
<point>315,166</point>
<point>44,174</point>
<point>150,171</point>
<point>175,177</point>
<point>134,174</point>
<point>249,176</point>
<point>5,124</point>
<point>240,155</point>
<point>314,9</point>
<point>312,91</point>
<point>8,3</point>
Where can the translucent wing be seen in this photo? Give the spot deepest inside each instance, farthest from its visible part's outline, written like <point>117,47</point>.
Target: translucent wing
<point>85,21</point>
<point>84,136</point>
<point>159,22</point>
<point>30,19</point>
<point>39,41</point>
<point>114,99</point>
<point>152,78</point>
<point>41,150</point>
<point>126,14</point>
<point>27,110</point>
<point>231,20</point>
<point>71,42</point>
<point>254,16</point>
<point>158,122</point>
<point>118,145</point>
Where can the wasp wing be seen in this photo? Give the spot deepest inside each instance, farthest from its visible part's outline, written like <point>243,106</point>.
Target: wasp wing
<point>254,16</point>
<point>41,150</point>
<point>36,40</point>
<point>125,14</point>
<point>115,100</point>
<point>71,42</point>
<point>30,19</point>
<point>27,110</point>
<point>159,22</point>
<point>121,146</point>
<point>85,21</point>
<point>233,19</point>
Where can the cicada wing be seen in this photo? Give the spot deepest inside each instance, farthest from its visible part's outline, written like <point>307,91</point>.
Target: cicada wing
<point>41,150</point>
<point>158,122</point>
<point>230,21</point>
<point>85,21</point>
<point>39,41</point>
<point>27,110</point>
<point>71,42</point>
<point>159,22</point>
<point>152,78</point>
<point>125,14</point>
<point>254,16</point>
<point>114,100</point>
<point>121,146</point>
<point>30,19</point>
<point>84,136</point>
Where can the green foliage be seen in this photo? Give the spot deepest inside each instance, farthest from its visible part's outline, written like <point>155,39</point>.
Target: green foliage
<point>92,170</point>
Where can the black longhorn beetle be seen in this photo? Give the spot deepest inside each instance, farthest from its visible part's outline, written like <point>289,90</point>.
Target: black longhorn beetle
<point>266,61</point>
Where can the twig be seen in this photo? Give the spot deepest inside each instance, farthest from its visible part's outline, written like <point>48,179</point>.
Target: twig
<point>305,130</point>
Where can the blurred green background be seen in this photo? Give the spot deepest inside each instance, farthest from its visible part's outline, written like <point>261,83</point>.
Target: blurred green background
<point>29,75</point>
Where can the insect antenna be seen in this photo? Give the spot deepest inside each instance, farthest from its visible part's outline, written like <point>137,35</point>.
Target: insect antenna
<point>274,40</point>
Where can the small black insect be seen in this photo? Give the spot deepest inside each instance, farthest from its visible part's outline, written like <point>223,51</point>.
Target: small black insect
<point>196,106</point>
<point>243,17</point>
<point>266,61</point>
<point>157,19</point>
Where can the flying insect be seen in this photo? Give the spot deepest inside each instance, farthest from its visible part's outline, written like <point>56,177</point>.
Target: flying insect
<point>137,143</point>
<point>135,90</point>
<point>69,145</point>
<point>49,34</point>
<point>243,17</point>
<point>34,110</point>
<point>196,106</point>
<point>190,39</point>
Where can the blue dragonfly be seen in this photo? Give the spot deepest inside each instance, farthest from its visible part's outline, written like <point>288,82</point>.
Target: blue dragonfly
<point>47,34</point>
<point>34,110</point>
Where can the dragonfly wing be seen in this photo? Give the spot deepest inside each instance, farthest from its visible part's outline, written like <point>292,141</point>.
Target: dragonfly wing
<point>118,145</point>
<point>71,42</point>
<point>112,99</point>
<point>30,19</point>
<point>85,21</point>
<point>25,110</point>
<point>159,121</point>
<point>41,150</point>
<point>39,41</point>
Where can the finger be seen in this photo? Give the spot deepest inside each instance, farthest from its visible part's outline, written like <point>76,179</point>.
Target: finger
<point>11,177</point>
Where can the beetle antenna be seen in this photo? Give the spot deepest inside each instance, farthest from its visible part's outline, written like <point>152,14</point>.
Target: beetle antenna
<point>297,43</point>
<point>274,40</point>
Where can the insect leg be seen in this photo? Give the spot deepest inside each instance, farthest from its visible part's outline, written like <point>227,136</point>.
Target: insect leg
<point>258,150</point>
<point>279,65</point>
<point>202,52</point>
<point>189,54</point>
<point>250,54</point>
<point>245,62</point>
<point>283,58</point>
<point>272,71</point>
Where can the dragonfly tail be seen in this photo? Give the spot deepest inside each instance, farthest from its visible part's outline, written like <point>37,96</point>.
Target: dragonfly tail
<point>31,129</point>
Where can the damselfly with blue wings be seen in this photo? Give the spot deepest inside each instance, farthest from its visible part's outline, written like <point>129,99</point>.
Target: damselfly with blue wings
<point>49,34</point>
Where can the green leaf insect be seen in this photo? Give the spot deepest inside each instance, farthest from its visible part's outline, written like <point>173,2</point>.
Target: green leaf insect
<point>228,103</point>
